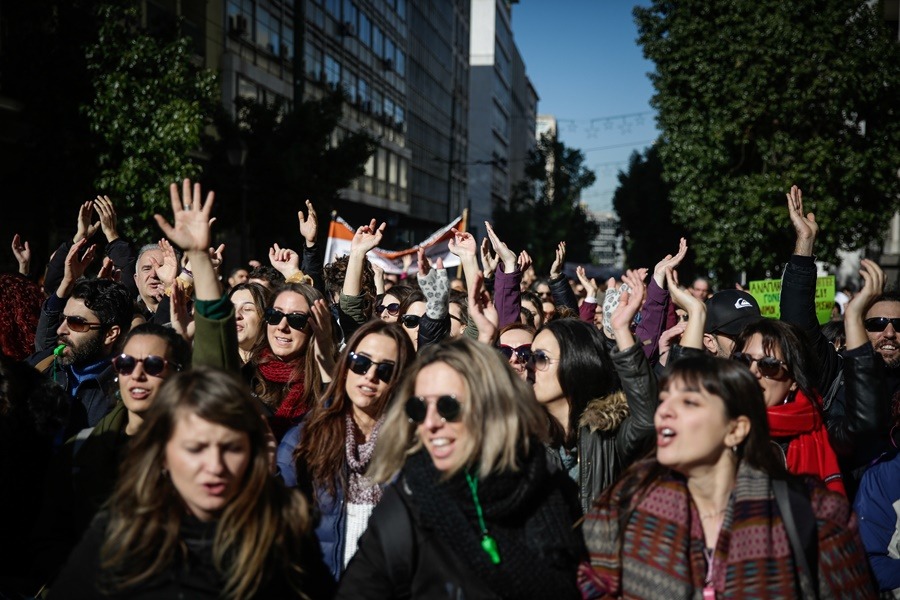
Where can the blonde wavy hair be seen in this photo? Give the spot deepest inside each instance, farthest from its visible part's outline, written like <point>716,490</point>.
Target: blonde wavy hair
<point>260,531</point>
<point>500,412</point>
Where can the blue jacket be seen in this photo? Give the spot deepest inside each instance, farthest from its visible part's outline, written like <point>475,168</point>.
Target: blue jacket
<point>878,510</point>
<point>330,514</point>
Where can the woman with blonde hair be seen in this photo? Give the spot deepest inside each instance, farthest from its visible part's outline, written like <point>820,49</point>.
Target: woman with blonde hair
<point>476,509</point>
<point>196,511</point>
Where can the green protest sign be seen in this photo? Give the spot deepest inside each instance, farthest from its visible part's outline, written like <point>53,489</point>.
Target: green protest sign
<point>768,294</point>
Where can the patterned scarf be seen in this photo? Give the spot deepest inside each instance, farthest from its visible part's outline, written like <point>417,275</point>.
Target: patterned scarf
<point>361,489</point>
<point>661,554</point>
<point>809,451</point>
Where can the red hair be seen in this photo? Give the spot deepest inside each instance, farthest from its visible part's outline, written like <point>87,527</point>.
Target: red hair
<point>20,309</point>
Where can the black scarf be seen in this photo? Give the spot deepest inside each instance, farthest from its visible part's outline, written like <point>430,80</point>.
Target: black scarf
<point>524,511</point>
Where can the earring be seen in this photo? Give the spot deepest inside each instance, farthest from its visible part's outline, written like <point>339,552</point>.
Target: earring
<point>734,449</point>
<point>164,472</point>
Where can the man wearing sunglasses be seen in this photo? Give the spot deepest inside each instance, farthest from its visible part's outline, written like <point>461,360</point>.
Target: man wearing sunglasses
<point>727,313</point>
<point>95,314</point>
<point>857,384</point>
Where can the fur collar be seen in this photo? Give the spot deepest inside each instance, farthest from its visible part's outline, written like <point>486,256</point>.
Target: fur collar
<point>606,413</point>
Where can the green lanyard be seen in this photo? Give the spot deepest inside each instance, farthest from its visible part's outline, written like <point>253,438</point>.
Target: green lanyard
<point>488,544</point>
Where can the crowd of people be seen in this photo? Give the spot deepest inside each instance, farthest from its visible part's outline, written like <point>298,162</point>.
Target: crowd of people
<point>303,430</point>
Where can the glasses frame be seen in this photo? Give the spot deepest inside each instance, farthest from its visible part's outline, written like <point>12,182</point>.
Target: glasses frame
<point>879,324</point>
<point>769,366</point>
<point>80,324</point>
<point>448,407</point>
<point>360,364</point>
<point>539,356</point>
<point>393,308</point>
<point>416,318</point>
<point>147,361</point>
<point>522,352</point>
<point>296,321</point>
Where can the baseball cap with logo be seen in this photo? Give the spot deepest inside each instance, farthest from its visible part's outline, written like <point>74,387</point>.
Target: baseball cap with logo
<point>728,311</point>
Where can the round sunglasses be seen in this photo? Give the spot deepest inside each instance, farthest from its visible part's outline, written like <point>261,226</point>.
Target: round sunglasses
<point>768,366</point>
<point>522,353</point>
<point>125,364</point>
<point>361,364</point>
<point>393,308</point>
<point>540,361</point>
<point>448,408</point>
<point>297,321</point>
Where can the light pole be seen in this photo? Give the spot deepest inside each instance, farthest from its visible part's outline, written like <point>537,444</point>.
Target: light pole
<point>237,157</point>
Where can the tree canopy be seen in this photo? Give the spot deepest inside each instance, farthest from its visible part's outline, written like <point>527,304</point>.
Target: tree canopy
<point>755,96</point>
<point>149,109</point>
<point>546,207</point>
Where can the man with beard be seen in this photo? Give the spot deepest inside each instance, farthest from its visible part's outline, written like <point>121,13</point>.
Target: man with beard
<point>88,317</point>
<point>858,384</point>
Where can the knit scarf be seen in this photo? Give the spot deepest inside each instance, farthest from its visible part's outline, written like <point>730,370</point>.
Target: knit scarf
<point>524,511</point>
<point>809,451</point>
<point>361,489</point>
<point>289,412</point>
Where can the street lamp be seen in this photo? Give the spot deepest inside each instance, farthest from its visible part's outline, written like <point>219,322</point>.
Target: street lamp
<point>237,157</point>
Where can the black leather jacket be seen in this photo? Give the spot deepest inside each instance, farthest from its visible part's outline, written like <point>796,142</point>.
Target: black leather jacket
<point>617,430</point>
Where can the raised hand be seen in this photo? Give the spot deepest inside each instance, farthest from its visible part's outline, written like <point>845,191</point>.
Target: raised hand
<point>379,278</point>
<point>670,261</point>
<point>109,271</point>
<point>483,311</point>
<point>179,315</point>
<point>323,338</point>
<point>669,338</point>
<point>367,237</point>
<point>462,244</point>
<point>696,310</point>
<point>630,301</point>
<point>489,258</point>
<point>559,261</point>
<point>804,225</point>
<point>22,251</point>
<point>192,218</point>
<point>284,260</point>
<point>590,285</point>
<point>524,261</point>
<point>506,255</point>
<point>76,264</point>
<point>167,271</point>
<point>423,263</point>
<point>216,255</point>
<point>84,228</point>
<point>107,213</point>
<point>873,286</point>
<point>309,227</point>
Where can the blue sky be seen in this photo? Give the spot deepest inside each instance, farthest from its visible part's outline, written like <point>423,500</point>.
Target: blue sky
<point>583,59</point>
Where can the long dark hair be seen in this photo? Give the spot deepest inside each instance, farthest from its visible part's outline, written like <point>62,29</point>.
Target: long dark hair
<point>585,370</point>
<point>320,454</point>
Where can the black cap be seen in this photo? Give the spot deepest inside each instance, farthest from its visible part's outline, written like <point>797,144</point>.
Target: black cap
<point>728,311</point>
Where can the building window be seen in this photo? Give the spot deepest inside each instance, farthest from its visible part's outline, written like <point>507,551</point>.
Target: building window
<point>365,30</point>
<point>401,9</point>
<point>403,167</point>
<point>267,31</point>
<point>334,8</point>
<point>247,89</point>
<point>349,85</point>
<point>350,16</point>
<point>400,62</point>
<point>377,41</point>
<point>332,72</point>
<point>313,62</point>
<point>364,98</point>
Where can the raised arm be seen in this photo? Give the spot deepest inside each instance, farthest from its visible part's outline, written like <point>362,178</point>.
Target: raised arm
<point>559,284</point>
<point>463,245</point>
<point>655,309</point>
<point>507,291</point>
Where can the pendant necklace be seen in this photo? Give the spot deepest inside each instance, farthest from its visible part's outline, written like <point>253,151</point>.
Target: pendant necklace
<point>488,543</point>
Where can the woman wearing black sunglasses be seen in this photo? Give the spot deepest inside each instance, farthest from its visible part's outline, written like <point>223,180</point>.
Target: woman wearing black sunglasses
<point>780,357</point>
<point>476,511</point>
<point>89,463</point>
<point>328,455</point>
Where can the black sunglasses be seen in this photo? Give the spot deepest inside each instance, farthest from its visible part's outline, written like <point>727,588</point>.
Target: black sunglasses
<point>393,308</point>
<point>448,408</point>
<point>881,323</point>
<point>540,361</point>
<point>80,324</point>
<point>153,365</point>
<point>360,365</point>
<point>523,352</point>
<point>411,321</point>
<point>767,365</point>
<point>297,321</point>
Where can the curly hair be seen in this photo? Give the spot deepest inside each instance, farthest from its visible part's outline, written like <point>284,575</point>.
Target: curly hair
<point>335,272</point>
<point>109,300</point>
<point>20,309</point>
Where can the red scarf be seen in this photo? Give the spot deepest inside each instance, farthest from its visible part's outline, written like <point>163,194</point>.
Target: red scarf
<point>291,409</point>
<point>809,452</point>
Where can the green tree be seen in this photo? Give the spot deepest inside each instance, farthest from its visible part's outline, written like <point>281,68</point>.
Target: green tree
<point>149,109</point>
<point>645,213</point>
<point>756,96</point>
<point>291,156</point>
<point>546,207</point>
